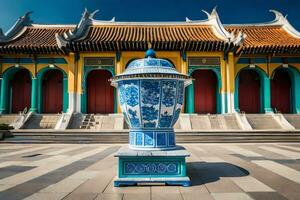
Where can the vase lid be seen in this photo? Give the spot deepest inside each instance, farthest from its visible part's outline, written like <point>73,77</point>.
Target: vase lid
<point>150,65</point>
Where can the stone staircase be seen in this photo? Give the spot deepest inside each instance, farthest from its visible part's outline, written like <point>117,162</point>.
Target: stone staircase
<point>8,119</point>
<point>293,119</point>
<point>42,121</point>
<point>77,136</point>
<point>262,122</point>
<point>96,128</point>
<point>97,122</point>
<point>214,122</point>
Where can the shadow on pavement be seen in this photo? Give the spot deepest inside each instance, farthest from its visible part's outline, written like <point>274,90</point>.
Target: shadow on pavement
<point>204,172</point>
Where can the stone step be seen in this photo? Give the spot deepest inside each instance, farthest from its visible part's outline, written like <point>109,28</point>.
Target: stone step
<point>200,122</point>
<point>8,118</point>
<point>231,122</point>
<point>180,137</point>
<point>262,121</point>
<point>293,119</point>
<point>215,122</point>
<point>42,121</point>
<point>95,121</point>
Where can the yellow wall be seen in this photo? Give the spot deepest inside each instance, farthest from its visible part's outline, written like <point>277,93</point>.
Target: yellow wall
<point>222,63</point>
<point>74,69</point>
<point>173,56</point>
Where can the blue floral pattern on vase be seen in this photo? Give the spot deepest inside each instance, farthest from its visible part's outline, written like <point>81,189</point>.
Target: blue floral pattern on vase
<point>148,115</point>
<point>149,104</point>
<point>168,93</point>
<point>121,95</point>
<point>151,62</point>
<point>134,121</point>
<point>180,92</point>
<point>165,120</point>
<point>150,92</point>
<point>167,103</point>
<point>176,115</point>
<point>165,63</point>
<point>132,95</point>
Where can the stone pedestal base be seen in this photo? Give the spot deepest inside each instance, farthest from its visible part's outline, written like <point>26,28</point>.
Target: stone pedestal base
<point>152,167</point>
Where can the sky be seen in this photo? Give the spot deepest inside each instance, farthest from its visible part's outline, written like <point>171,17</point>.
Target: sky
<point>69,11</point>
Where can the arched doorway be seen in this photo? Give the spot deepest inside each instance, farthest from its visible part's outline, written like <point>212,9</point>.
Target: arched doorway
<point>281,91</point>
<point>249,91</point>
<point>20,91</point>
<point>100,94</point>
<point>52,91</point>
<point>205,90</point>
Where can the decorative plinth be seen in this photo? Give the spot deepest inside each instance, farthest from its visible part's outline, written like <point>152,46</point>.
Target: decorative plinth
<point>152,167</point>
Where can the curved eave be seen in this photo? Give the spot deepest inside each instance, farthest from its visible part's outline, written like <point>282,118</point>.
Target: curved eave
<point>270,49</point>
<point>31,50</point>
<point>17,29</point>
<point>279,20</point>
<point>143,45</point>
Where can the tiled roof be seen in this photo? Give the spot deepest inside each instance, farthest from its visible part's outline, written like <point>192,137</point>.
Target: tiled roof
<point>35,40</point>
<point>266,39</point>
<point>277,36</point>
<point>162,37</point>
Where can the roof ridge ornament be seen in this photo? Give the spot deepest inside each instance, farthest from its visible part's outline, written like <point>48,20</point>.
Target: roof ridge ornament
<point>282,20</point>
<point>187,19</point>
<point>214,19</point>
<point>278,16</point>
<point>82,26</point>
<point>113,19</point>
<point>17,28</point>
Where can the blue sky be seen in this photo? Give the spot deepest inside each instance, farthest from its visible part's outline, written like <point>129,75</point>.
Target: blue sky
<point>69,11</point>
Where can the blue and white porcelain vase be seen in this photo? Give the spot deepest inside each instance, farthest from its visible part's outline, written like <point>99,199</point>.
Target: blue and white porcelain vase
<point>151,95</point>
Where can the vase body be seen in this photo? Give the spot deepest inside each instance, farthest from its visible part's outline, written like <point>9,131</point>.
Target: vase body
<point>151,107</point>
<point>151,95</point>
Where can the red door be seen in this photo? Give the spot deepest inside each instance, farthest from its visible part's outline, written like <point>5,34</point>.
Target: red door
<point>53,91</point>
<point>281,91</point>
<point>21,91</point>
<point>205,88</point>
<point>100,94</point>
<point>249,91</point>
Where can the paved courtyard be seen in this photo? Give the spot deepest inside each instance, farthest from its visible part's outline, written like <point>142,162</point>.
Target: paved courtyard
<point>87,171</point>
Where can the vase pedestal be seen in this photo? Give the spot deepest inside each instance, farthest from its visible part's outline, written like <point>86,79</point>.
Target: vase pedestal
<point>152,167</point>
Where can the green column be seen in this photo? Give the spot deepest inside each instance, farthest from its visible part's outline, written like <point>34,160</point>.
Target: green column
<point>4,96</point>
<point>115,101</point>
<point>65,95</point>
<point>189,103</point>
<point>266,96</point>
<point>34,95</point>
<point>296,92</point>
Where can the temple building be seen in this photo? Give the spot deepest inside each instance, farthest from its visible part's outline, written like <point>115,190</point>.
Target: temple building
<point>237,68</point>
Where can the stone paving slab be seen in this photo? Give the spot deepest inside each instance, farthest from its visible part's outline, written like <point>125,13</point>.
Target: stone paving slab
<point>87,172</point>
